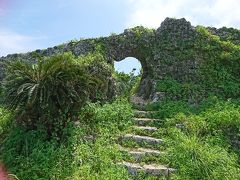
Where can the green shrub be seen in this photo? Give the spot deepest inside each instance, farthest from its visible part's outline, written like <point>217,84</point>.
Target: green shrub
<point>5,120</point>
<point>200,141</point>
<point>114,117</point>
<point>170,86</point>
<point>168,108</point>
<point>28,155</point>
<point>198,160</point>
<point>101,72</point>
<point>50,92</point>
<point>87,152</point>
<point>213,117</point>
<point>126,84</point>
<point>224,115</point>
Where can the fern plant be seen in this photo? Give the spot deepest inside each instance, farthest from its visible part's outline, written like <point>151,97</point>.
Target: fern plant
<point>50,91</point>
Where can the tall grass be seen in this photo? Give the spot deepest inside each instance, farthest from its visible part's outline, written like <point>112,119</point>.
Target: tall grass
<point>88,151</point>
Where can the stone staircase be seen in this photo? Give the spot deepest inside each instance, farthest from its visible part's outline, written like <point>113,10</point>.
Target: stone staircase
<point>142,148</point>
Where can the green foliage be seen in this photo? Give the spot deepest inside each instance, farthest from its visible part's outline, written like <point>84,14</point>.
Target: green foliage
<point>115,115</point>
<point>127,84</point>
<point>5,120</point>
<point>189,92</point>
<point>86,153</point>
<point>201,140</point>
<point>51,92</point>
<point>99,70</point>
<point>118,113</point>
<point>213,117</point>
<point>167,109</point>
<point>1,93</point>
<point>209,65</point>
<point>170,86</point>
<point>195,159</point>
<point>100,45</point>
<point>219,72</point>
<point>233,35</point>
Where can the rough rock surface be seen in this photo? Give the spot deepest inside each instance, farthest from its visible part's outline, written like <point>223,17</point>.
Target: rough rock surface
<point>157,50</point>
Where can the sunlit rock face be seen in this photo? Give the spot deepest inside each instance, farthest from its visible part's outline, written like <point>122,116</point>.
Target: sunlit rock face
<point>175,49</point>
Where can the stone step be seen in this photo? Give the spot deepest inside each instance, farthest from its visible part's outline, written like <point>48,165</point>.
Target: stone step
<point>151,169</point>
<point>139,153</point>
<point>146,128</point>
<point>143,139</point>
<point>143,114</point>
<point>144,121</point>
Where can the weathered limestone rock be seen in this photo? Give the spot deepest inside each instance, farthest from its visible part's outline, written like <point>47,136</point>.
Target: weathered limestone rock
<point>143,139</point>
<point>144,121</point>
<point>154,170</point>
<point>161,53</point>
<point>145,128</point>
<point>139,153</point>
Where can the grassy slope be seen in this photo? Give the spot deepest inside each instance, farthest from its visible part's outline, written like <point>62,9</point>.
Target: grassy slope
<point>200,141</point>
<point>200,148</point>
<point>88,152</point>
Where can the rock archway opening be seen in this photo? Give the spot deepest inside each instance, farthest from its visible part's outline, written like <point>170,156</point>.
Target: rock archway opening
<point>134,77</point>
<point>128,65</point>
<point>128,73</point>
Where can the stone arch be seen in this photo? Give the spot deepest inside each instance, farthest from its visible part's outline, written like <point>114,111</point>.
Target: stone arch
<point>162,52</point>
<point>137,42</point>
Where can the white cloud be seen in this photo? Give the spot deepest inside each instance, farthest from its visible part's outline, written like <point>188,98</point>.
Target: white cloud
<point>217,13</point>
<point>226,13</point>
<point>11,42</point>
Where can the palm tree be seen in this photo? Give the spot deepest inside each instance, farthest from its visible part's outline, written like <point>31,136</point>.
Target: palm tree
<point>55,87</point>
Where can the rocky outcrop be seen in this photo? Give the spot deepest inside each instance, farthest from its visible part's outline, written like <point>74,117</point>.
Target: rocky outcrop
<point>162,52</point>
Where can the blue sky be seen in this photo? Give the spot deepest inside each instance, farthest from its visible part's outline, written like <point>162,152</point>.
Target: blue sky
<point>26,25</point>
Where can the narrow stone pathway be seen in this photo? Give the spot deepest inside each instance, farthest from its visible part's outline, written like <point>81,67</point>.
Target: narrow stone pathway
<point>141,149</point>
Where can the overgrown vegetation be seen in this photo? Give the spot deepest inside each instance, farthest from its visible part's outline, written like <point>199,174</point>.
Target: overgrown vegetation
<point>202,142</point>
<point>58,127</point>
<point>127,84</point>
<point>51,92</point>
<point>201,113</point>
<point>56,122</point>
<point>88,152</point>
<point>216,75</point>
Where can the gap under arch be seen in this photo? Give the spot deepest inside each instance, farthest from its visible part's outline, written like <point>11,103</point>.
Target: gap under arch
<point>128,74</point>
<point>127,65</point>
<point>144,86</point>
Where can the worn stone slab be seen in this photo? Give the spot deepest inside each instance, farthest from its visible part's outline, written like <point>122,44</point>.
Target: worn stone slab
<point>151,169</point>
<point>143,139</point>
<point>140,153</point>
<point>146,128</point>
<point>143,121</point>
<point>143,114</point>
